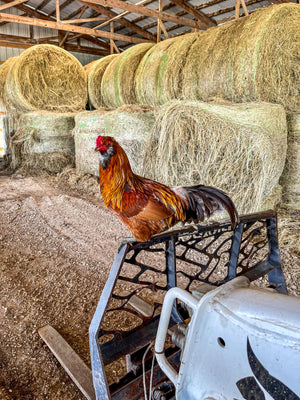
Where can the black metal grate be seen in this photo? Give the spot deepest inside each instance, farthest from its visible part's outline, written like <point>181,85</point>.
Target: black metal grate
<point>203,253</point>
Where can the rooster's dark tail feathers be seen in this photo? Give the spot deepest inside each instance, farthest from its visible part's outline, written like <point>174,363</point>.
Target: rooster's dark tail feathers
<point>203,201</point>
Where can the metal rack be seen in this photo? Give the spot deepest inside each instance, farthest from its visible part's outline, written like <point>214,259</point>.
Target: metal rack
<point>127,315</point>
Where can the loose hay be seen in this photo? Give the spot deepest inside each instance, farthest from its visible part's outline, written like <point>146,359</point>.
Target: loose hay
<point>290,178</point>
<point>240,149</point>
<point>95,73</point>
<point>253,59</point>
<point>46,77</point>
<point>43,142</point>
<point>117,86</point>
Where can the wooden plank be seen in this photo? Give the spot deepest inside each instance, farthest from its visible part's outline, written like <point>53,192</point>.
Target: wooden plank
<point>68,28</point>
<point>77,370</point>
<point>123,5</point>
<point>237,9</point>
<point>11,4</point>
<point>42,4</point>
<point>83,20</point>
<point>57,11</point>
<point>141,306</point>
<point>61,42</point>
<point>122,14</point>
<point>25,42</point>
<point>122,21</point>
<point>244,7</point>
<point>29,10</point>
<point>197,14</point>
<point>62,6</point>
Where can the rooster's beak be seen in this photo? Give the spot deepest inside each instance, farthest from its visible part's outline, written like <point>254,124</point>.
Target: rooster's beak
<point>96,149</point>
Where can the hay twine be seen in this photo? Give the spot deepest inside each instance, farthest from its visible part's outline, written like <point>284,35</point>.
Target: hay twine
<point>46,77</point>
<point>191,145</point>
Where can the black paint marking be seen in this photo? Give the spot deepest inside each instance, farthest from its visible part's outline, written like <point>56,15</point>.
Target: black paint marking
<point>250,389</point>
<point>277,389</point>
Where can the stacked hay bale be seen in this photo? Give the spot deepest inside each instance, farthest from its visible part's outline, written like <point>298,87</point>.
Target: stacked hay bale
<point>95,71</point>
<point>46,77</point>
<point>253,59</point>
<point>44,142</point>
<point>238,148</point>
<point>42,78</point>
<point>129,125</point>
<point>88,125</point>
<point>117,86</point>
<point>290,179</point>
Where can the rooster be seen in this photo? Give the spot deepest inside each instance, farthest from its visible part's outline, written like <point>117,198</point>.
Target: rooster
<point>148,207</point>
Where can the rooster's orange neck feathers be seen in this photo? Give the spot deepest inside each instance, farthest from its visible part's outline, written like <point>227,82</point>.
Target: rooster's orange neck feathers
<point>114,178</point>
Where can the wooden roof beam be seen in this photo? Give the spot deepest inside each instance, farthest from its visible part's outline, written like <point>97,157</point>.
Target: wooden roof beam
<point>11,4</point>
<point>123,5</point>
<point>68,28</point>
<point>123,21</point>
<point>21,42</point>
<point>197,14</point>
<point>42,4</point>
<point>144,2</point>
<point>62,6</point>
<point>29,10</point>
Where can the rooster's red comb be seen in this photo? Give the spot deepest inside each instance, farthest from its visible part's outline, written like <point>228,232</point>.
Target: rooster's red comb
<point>98,141</point>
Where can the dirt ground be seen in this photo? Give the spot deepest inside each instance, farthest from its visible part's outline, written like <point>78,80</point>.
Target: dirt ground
<point>57,246</point>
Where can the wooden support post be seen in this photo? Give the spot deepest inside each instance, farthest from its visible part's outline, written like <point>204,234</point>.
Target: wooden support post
<point>159,22</point>
<point>244,7</point>
<point>238,4</point>
<point>237,9</point>
<point>111,42</point>
<point>57,12</point>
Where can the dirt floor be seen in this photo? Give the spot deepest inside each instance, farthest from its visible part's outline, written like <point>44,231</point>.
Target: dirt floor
<point>57,246</point>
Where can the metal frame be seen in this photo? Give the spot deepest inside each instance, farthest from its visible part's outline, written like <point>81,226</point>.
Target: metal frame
<point>255,234</point>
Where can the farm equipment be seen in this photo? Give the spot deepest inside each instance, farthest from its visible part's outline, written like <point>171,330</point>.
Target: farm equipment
<point>216,335</point>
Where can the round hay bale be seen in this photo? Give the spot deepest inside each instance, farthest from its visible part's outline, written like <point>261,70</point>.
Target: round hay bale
<point>149,73</point>
<point>44,141</point>
<point>95,71</point>
<point>253,59</point>
<point>131,126</point>
<point>4,69</point>
<point>88,125</point>
<point>290,179</point>
<point>47,77</point>
<point>165,62</point>
<point>117,86</point>
<point>240,148</point>
<point>88,67</point>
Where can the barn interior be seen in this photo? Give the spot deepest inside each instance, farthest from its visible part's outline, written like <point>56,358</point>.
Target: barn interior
<point>195,92</point>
